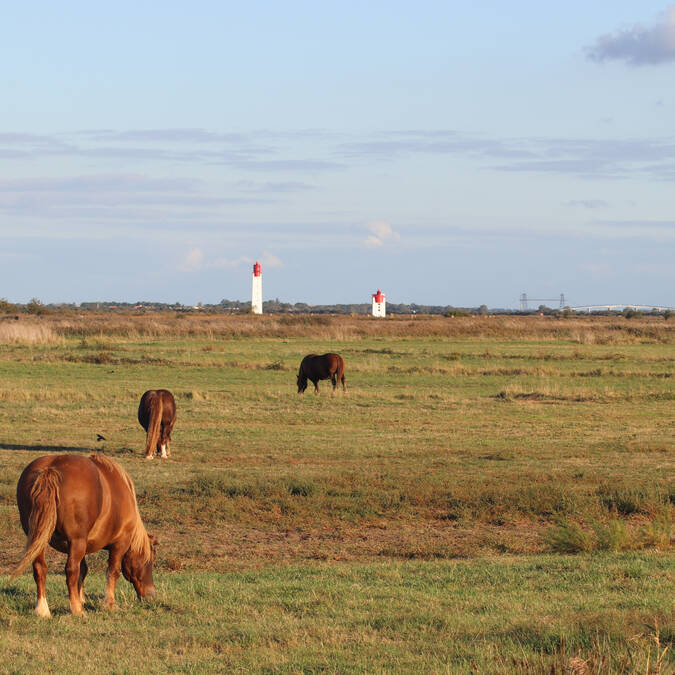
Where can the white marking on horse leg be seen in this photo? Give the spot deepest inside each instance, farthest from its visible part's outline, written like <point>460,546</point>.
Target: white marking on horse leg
<point>149,457</point>
<point>164,455</point>
<point>42,608</point>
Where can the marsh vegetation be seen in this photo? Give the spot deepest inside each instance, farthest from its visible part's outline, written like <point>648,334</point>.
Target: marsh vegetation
<point>491,493</point>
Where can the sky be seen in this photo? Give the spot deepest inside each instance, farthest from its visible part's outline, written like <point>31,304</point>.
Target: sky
<point>446,152</point>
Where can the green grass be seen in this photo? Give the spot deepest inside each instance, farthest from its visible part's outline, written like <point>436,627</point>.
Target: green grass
<point>486,616</point>
<point>448,456</point>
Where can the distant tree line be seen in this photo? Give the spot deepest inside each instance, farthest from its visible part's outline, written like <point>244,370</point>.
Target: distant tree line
<point>38,308</point>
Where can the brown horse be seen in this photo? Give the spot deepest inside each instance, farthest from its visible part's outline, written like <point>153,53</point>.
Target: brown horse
<point>157,415</point>
<point>325,367</point>
<point>80,505</point>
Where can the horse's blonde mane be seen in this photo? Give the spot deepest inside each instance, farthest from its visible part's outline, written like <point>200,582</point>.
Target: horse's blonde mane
<point>140,541</point>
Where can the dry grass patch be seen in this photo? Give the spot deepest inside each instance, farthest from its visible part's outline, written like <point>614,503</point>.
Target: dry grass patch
<point>15,332</point>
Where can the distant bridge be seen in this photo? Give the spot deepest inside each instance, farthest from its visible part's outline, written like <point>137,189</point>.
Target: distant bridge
<point>622,306</point>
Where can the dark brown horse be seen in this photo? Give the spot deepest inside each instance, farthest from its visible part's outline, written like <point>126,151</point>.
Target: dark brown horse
<point>325,367</point>
<point>80,505</point>
<point>157,415</point>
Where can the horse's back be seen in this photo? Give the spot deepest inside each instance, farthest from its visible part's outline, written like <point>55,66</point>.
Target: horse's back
<point>335,362</point>
<point>81,494</point>
<point>153,397</point>
<point>321,366</point>
<point>332,364</point>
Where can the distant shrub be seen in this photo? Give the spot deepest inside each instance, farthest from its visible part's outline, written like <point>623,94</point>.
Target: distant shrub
<point>301,488</point>
<point>36,307</point>
<point>6,307</point>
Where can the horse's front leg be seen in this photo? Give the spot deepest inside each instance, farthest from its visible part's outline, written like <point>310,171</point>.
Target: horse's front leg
<point>112,575</point>
<point>76,552</point>
<point>40,576</point>
<point>316,386</point>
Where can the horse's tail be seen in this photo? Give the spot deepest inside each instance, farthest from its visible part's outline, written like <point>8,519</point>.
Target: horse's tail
<point>154,425</point>
<point>340,371</point>
<point>42,520</point>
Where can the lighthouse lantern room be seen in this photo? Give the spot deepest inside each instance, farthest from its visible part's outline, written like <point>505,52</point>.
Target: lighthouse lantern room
<point>256,290</point>
<point>379,303</point>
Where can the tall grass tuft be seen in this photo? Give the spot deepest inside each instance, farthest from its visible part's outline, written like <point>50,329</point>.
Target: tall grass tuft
<point>612,536</point>
<point>568,537</point>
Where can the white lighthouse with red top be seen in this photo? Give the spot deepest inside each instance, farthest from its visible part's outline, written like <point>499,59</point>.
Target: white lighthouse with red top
<point>379,302</point>
<point>256,289</point>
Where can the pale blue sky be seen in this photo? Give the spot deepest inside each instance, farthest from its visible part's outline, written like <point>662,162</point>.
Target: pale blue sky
<point>446,152</point>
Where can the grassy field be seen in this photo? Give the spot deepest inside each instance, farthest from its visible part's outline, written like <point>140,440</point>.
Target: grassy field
<point>492,494</point>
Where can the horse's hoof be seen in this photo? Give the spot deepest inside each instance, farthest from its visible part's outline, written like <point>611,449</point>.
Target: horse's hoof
<point>149,457</point>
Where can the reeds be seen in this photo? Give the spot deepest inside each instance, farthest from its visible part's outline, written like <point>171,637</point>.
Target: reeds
<point>580,330</point>
<point>28,332</point>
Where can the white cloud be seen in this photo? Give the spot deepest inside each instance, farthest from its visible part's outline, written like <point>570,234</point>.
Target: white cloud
<point>192,261</point>
<point>639,45</point>
<point>382,233</point>
<point>270,260</point>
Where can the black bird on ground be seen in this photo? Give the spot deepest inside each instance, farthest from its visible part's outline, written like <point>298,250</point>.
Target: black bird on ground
<point>100,438</point>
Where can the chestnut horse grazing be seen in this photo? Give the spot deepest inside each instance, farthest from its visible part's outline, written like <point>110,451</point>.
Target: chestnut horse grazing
<point>325,367</point>
<point>157,415</point>
<point>80,505</point>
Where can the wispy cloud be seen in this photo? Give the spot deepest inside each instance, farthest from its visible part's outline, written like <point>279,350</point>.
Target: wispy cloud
<point>195,260</point>
<point>639,45</point>
<point>593,159</point>
<point>128,198</point>
<point>657,230</point>
<point>270,260</point>
<point>273,186</point>
<point>229,263</point>
<point>250,151</point>
<point>588,203</point>
<point>289,154</point>
<point>583,157</point>
<point>120,182</point>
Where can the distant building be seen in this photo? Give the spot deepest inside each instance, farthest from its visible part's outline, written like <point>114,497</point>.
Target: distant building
<point>256,289</point>
<point>379,304</point>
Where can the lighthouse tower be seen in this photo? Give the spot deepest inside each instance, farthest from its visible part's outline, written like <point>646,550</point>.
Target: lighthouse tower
<point>379,302</point>
<point>256,289</point>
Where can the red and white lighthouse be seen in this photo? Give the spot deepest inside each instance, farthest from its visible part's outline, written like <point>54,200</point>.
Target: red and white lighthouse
<point>379,304</point>
<point>256,289</point>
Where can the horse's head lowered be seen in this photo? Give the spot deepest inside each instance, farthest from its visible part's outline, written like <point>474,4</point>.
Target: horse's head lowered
<point>302,382</point>
<point>137,570</point>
